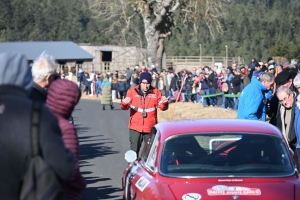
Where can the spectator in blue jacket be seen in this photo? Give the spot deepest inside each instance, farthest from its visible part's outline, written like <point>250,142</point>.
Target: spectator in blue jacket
<point>252,104</point>
<point>297,119</point>
<point>257,72</point>
<point>98,86</point>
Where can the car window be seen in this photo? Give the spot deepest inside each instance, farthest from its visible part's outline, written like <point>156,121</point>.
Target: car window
<point>148,144</point>
<point>150,163</point>
<point>225,155</point>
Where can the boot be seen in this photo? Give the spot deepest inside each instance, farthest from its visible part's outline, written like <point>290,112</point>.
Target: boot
<point>103,107</point>
<point>112,107</point>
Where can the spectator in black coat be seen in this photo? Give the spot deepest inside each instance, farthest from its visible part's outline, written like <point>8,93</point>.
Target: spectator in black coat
<point>87,83</point>
<point>15,136</point>
<point>212,87</point>
<point>173,84</point>
<point>122,87</point>
<point>80,76</point>
<point>236,86</point>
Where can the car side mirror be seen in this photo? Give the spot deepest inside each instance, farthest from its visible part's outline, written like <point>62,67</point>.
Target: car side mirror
<point>130,156</point>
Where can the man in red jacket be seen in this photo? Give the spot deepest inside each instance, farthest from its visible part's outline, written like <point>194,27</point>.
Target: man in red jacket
<point>143,101</point>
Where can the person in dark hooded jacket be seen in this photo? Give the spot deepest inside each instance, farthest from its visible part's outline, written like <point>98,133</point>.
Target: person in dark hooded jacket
<point>15,139</point>
<point>122,87</point>
<point>63,96</point>
<point>87,84</point>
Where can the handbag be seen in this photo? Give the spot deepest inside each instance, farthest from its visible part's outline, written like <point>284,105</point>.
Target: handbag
<point>39,181</point>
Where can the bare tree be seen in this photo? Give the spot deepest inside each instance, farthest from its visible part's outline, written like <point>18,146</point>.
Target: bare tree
<point>160,18</point>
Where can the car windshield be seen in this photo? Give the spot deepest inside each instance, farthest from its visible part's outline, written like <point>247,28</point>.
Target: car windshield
<point>228,155</point>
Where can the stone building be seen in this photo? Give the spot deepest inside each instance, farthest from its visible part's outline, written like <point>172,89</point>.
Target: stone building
<point>112,57</point>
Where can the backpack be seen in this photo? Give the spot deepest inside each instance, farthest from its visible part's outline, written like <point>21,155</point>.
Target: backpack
<point>39,181</point>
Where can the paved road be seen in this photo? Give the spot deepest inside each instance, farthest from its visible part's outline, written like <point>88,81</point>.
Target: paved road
<point>103,137</point>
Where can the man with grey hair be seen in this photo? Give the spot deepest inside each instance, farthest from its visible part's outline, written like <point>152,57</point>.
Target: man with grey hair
<point>252,104</point>
<point>44,73</point>
<point>286,112</point>
<point>294,62</point>
<point>296,82</point>
<point>286,116</point>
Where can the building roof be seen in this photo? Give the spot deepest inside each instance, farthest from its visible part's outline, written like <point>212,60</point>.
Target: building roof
<point>60,50</point>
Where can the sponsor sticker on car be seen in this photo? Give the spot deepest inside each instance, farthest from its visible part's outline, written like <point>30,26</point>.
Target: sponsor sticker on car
<point>142,183</point>
<point>219,190</point>
<point>191,196</point>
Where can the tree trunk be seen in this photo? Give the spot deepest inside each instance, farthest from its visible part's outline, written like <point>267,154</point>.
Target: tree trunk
<point>154,36</point>
<point>155,49</point>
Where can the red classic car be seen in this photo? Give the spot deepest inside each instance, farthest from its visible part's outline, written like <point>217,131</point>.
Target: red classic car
<point>213,159</point>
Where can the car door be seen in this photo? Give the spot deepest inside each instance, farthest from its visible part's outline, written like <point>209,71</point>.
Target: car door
<point>142,184</point>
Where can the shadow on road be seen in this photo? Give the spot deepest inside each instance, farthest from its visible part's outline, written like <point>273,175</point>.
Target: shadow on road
<point>102,192</point>
<point>93,147</point>
<point>79,129</point>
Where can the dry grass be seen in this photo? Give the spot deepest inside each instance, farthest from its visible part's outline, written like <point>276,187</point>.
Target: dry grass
<point>194,111</point>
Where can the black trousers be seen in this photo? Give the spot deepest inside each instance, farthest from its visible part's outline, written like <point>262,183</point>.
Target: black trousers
<point>136,139</point>
<point>87,89</point>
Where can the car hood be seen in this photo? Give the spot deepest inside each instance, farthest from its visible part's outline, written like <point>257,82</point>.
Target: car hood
<point>238,190</point>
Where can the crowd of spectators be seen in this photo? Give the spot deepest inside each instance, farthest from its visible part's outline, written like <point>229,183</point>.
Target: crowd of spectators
<point>225,87</point>
<point>198,85</point>
<point>210,86</point>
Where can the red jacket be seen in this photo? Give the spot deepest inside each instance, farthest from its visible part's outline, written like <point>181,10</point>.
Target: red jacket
<point>139,104</point>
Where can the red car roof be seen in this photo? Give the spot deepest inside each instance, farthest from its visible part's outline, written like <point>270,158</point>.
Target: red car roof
<point>170,128</point>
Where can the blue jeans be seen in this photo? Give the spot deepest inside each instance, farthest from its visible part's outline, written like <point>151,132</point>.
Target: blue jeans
<point>213,100</point>
<point>229,103</point>
<point>223,101</point>
<point>198,98</point>
<point>183,97</point>
<point>171,93</point>
<point>166,92</point>
<point>98,91</point>
<point>236,103</point>
<point>117,94</point>
<point>205,100</point>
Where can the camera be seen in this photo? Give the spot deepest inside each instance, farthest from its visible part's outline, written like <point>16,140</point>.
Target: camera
<point>144,113</point>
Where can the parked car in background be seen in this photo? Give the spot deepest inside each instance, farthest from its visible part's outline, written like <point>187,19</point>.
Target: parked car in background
<point>213,159</point>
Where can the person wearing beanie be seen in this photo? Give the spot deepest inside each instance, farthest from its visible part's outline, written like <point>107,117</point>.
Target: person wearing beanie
<point>143,101</point>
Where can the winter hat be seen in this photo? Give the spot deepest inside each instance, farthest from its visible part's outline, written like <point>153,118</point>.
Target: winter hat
<point>271,67</point>
<point>282,77</point>
<point>145,76</point>
<point>63,96</point>
<point>271,62</point>
<point>14,70</point>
